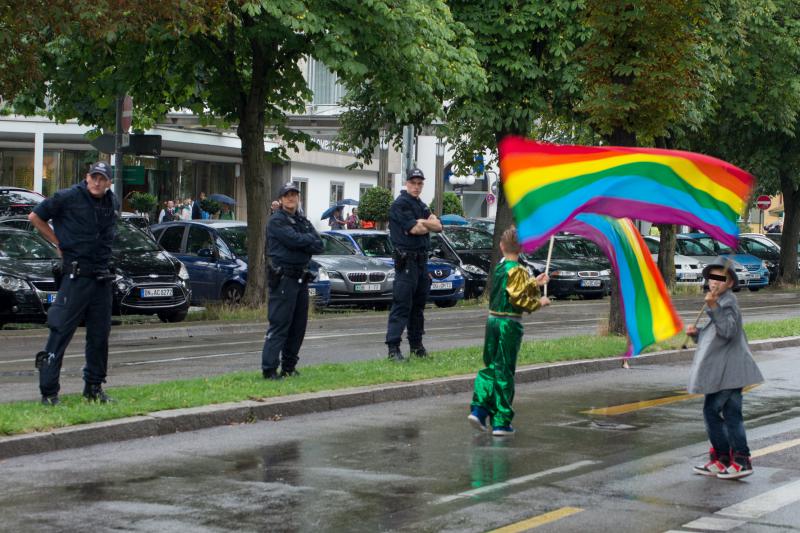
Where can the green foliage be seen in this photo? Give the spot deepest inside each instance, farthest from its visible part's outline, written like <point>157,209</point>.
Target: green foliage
<point>143,202</point>
<point>451,204</point>
<point>374,204</point>
<point>210,206</point>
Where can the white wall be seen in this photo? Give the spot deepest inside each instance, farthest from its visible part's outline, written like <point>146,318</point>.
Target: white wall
<point>319,187</point>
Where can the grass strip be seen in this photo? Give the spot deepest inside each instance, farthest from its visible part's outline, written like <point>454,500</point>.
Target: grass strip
<point>28,416</point>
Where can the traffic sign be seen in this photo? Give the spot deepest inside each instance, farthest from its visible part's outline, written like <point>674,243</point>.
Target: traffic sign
<point>763,202</point>
<point>127,113</point>
<point>490,199</point>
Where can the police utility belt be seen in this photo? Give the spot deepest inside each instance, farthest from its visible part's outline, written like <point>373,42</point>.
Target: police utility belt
<point>74,270</point>
<point>302,275</point>
<point>403,258</point>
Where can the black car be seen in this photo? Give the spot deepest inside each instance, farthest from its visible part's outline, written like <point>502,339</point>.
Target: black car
<point>26,276</point>
<point>474,266</point>
<point>149,281</point>
<point>17,201</point>
<point>575,268</point>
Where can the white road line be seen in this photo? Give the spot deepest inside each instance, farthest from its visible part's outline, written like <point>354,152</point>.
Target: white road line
<point>710,523</point>
<point>513,481</point>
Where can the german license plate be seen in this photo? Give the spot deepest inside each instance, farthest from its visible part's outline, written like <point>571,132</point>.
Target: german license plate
<point>49,297</point>
<point>367,287</point>
<point>688,276</point>
<point>591,283</point>
<point>312,291</point>
<point>156,293</point>
<point>755,275</point>
<point>441,285</point>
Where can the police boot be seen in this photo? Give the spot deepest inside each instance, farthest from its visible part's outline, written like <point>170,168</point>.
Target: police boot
<point>419,350</point>
<point>94,393</point>
<point>289,373</point>
<point>51,400</point>
<point>395,354</point>
<point>271,374</point>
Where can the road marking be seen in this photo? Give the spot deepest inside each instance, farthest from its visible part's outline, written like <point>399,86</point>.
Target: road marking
<point>540,520</point>
<point>711,523</point>
<point>646,404</point>
<point>776,448</point>
<point>514,481</point>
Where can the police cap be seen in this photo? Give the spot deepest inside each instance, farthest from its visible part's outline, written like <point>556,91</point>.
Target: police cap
<point>286,188</point>
<point>415,173</point>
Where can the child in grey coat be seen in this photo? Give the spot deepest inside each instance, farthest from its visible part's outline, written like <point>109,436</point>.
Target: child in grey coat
<point>722,366</point>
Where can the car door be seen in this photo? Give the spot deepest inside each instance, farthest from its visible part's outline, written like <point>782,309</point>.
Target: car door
<point>170,239</point>
<point>199,251</point>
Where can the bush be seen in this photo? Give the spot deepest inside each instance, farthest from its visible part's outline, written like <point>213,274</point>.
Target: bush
<point>143,202</point>
<point>210,206</point>
<point>374,204</point>
<point>451,205</point>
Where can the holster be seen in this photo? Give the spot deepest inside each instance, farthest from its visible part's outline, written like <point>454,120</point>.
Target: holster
<point>400,260</point>
<point>275,275</point>
<point>308,276</point>
<point>58,274</point>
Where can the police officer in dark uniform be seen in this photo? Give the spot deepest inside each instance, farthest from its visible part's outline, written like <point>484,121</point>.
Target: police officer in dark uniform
<point>84,218</point>
<point>291,240</point>
<point>410,222</point>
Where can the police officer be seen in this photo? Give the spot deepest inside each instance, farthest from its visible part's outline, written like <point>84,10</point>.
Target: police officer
<point>410,222</point>
<point>84,218</point>
<point>291,240</point>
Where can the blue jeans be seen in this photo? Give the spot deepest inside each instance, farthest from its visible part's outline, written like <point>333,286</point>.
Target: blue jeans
<point>722,412</point>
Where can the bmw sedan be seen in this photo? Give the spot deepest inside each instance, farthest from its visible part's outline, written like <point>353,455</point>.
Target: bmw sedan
<point>574,269</point>
<point>447,283</point>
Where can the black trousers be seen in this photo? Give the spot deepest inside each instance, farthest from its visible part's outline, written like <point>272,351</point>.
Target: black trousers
<point>288,317</point>
<point>78,299</point>
<point>410,293</point>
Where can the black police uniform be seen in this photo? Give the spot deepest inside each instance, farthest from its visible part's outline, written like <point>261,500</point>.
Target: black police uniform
<point>291,240</point>
<point>85,228</point>
<point>411,281</point>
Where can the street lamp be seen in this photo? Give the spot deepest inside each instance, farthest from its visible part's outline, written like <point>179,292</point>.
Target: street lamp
<point>439,177</point>
<point>383,159</point>
<point>459,182</point>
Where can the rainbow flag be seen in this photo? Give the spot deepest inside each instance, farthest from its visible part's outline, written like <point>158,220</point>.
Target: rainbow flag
<point>649,314</point>
<point>546,185</point>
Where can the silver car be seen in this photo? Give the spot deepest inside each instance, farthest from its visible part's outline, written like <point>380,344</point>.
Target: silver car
<point>355,279</point>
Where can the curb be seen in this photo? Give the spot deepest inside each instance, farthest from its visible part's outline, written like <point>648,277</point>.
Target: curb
<point>194,418</point>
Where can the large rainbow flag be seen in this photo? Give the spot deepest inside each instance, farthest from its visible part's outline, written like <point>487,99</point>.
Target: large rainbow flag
<point>547,185</point>
<point>649,314</point>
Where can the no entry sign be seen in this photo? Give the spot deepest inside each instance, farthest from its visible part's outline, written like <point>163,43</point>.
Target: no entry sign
<point>763,202</point>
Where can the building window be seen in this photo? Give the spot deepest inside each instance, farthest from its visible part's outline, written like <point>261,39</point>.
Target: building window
<point>362,188</point>
<point>302,184</point>
<point>324,83</point>
<point>337,192</point>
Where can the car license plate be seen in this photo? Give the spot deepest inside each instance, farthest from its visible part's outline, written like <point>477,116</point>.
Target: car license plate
<point>156,293</point>
<point>755,275</point>
<point>689,276</point>
<point>366,287</point>
<point>590,282</point>
<point>49,297</point>
<point>312,291</point>
<point>441,285</point>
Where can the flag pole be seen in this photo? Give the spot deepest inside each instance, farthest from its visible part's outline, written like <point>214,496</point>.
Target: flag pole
<point>547,265</point>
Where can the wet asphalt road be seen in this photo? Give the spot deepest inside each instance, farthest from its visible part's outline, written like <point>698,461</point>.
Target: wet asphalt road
<point>329,339</point>
<point>418,466</point>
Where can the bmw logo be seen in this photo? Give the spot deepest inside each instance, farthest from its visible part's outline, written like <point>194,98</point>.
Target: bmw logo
<point>438,273</point>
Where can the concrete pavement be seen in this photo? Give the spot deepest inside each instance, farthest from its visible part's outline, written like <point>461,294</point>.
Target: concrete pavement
<point>178,420</point>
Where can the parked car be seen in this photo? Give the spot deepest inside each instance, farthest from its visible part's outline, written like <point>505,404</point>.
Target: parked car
<point>474,275</point>
<point>215,254</point>
<point>764,249</point>
<point>688,270</point>
<point>447,283</point>
<point>775,239</point>
<point>757,269</point>
<point>693,248</point>
<point>575,270</point>
<point>355,279</point>
<point>139,220</point>
<point>17,201</point>
<point>486,224</point>
<point>26,276</point>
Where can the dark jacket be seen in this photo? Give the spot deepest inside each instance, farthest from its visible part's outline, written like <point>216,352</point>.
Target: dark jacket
<point>291,240</point>
<point>403,215</point>
<point>197,213</point>
<point>84,225</point>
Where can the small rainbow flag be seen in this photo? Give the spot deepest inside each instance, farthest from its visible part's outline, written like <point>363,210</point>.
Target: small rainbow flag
<point>649,314</point>
<point>547,184</point>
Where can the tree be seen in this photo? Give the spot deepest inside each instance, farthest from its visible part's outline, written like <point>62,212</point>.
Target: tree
<point>374,204</point>
<point>451,204</point>
<point>143,202</point>
<point>241,63</point>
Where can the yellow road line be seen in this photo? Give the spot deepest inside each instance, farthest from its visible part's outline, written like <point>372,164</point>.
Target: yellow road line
<point>776,448</point>
<point>540,520</point>
<point>645,404</point>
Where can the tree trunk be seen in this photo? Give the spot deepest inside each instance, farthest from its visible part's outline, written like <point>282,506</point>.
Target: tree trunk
<point>791,230</point>
<point>503,220</point>
<point>666,254</point>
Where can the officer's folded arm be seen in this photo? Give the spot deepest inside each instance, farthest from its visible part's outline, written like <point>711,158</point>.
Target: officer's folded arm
<point>294,240</point>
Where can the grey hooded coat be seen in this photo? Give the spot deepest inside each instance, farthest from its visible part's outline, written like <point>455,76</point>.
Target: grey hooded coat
<point>723,359</point>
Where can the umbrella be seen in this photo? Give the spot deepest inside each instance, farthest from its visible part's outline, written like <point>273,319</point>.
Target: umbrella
<point>348,201</point>
<point>328,212</point>
<point>222,198</point>
<point>453,220</point>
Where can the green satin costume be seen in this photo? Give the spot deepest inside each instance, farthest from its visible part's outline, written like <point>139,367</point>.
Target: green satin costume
<point>513,292</point>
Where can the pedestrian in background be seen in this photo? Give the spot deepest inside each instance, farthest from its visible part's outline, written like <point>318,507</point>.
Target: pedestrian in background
<point>168,213</point>
<point>722,366</point>
<point>291,240</point>
<point>335,220</point>
<point>410,222</point>
<point>352,220</point>
<point>84,218</point>
<point>513,292</point>
<point>197,211</point>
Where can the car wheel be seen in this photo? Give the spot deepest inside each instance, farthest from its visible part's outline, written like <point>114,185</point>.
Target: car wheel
<point>755,289</point>
<point>593,296</point>
<point>445,303</point>
<point>232,293</point>
<point>173,316</point>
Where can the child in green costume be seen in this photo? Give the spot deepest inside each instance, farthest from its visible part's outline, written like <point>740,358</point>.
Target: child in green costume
<point>513,292</point>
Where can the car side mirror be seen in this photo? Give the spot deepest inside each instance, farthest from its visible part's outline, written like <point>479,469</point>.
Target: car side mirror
<point>206,252</point>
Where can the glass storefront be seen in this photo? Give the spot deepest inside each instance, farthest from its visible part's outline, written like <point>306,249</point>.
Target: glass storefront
<point>61,168</point>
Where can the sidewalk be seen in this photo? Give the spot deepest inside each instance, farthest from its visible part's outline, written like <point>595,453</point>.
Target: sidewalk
<point>179,420</point>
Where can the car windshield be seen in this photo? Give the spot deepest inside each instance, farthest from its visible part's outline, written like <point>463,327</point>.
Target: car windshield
<point>377,245</point>
<point>236,239</point>
<point>12,197</point>
<point>334,247</point>
<point>130,239</point>
<point>466,239</point>
<point>692,248</point>
<point>25,246</point>
<point>711,244</point>
<point>562,249</point>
